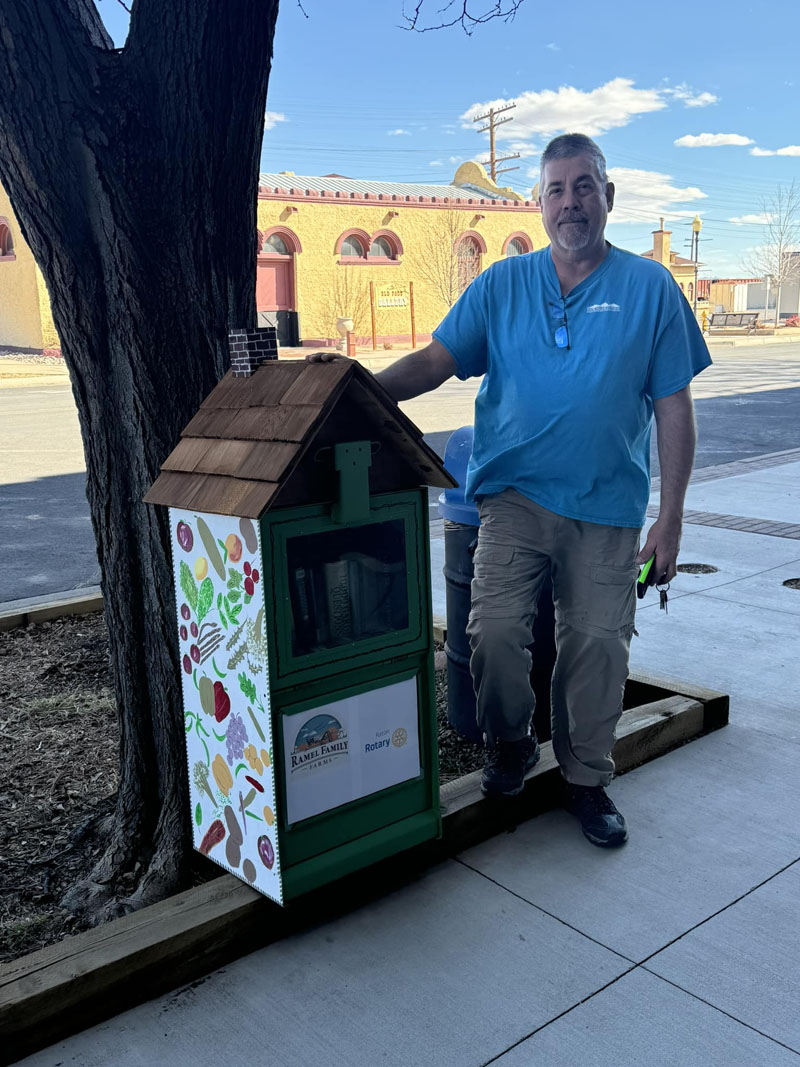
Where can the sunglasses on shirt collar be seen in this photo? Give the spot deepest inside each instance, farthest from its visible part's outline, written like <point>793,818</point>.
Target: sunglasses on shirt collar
<point>561,335</point>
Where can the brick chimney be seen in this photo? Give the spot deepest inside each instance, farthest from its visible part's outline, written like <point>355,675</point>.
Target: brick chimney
<point>661,245</point>
<point>250,348</point>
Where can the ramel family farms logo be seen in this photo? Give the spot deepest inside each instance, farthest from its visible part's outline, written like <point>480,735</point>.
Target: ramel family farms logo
<point>320,741</point>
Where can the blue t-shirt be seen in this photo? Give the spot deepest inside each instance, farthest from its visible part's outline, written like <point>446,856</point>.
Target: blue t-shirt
<point>570,427</point>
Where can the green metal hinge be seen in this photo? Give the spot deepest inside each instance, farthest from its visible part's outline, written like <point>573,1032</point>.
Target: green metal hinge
<point>352,461</point>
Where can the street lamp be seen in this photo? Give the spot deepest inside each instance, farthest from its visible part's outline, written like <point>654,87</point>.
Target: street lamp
<point>697,226</point>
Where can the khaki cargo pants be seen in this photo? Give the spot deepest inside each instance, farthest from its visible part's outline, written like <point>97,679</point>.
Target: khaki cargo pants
<point>593,571</point>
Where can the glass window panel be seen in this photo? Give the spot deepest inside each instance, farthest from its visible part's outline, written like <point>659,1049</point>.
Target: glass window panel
<point>351,246</point>
<point>381,247</point>
<point>275,243</point>
<point>515,247</point>
<point>347,585</point>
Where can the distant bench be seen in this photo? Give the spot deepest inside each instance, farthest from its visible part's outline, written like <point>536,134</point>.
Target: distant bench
<point>733,322</point>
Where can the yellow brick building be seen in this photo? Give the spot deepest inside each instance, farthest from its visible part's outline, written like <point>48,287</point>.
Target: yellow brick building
<point>25,319</point>
<point>322,241</point>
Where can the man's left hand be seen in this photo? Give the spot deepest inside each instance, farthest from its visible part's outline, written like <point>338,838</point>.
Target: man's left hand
<point>663,539</point>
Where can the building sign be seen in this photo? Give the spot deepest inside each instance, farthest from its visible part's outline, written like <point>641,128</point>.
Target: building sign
<point>350,748</point>
<point>392,296</point>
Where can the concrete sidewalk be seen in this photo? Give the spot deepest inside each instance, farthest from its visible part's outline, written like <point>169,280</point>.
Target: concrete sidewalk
<point>682,949</point>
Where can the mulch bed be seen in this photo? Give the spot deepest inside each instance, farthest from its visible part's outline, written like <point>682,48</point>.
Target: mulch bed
<point>58,748</point>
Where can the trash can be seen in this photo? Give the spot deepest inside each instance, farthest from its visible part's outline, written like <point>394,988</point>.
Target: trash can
<point>461,523</point>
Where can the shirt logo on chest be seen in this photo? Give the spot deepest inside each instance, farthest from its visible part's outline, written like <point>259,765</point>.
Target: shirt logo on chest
<point>593,308</point>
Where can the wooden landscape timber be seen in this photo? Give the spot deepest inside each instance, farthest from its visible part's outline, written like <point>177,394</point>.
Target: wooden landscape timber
<point>85,979</point>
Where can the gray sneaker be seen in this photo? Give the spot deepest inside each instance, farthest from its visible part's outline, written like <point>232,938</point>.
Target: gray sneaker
<point>506,766</point>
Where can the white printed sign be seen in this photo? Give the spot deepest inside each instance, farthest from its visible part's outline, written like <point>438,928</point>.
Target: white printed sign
<point>350,748</point>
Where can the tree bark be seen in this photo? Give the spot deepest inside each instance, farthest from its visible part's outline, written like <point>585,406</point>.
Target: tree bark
<point>134,176</point>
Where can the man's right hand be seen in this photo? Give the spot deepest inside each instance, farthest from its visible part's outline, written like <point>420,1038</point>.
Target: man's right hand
<point>325,357</point>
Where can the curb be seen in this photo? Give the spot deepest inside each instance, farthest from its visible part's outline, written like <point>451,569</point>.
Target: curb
<point>90,977</point>
<point>36,609</point>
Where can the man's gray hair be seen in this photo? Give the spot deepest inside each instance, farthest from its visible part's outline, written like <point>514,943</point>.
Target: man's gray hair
<point>574,144</point>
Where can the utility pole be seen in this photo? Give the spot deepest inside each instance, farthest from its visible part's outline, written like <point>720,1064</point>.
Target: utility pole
<point>493,123</point>
<point>697,225</point>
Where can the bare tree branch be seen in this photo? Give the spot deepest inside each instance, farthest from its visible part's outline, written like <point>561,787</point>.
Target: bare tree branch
<point>777,260</point>
<point>438,264</point>
<point>500,9</point>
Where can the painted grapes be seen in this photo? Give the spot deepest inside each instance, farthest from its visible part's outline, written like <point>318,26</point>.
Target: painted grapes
<point>225,671</point>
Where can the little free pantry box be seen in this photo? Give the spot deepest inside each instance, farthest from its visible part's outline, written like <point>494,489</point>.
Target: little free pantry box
<point>299,522</point>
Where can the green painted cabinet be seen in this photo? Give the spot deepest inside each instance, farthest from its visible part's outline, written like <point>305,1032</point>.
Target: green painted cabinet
<point>302,579</point>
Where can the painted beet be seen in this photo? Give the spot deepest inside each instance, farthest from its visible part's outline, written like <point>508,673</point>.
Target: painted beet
<point>266,852</point>
<point>185,536</point>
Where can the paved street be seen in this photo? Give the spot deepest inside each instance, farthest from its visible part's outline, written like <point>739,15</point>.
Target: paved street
<point>748,404</point>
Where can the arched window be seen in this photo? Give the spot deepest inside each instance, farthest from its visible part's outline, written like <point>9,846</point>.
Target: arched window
<point>278,241</point>
<point>275,243</point>
<point>6,240</point>
<point>517,244</point>
<point>468,254</point>
<point>352,246</point>
<point>381,247</point>
<point>691,292</point>
<point>682,289</point>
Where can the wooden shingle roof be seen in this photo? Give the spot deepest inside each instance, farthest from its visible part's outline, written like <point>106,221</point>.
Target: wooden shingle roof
<point>250,434</point>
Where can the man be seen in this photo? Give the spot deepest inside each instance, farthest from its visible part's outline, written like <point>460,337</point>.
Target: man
<point>579,344</point>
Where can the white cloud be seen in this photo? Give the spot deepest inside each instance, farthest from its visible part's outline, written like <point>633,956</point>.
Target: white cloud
<point>554,111</point>
<point>712,140</point>
<point>398,133</point>
<point>690,98</point>
<point>525,149</point>
<point>644,195</point>
<point>787,150</point>
<point>456,159</point>
<point>553,47</point>
<point>592,112</point>
<point>435,163</point>
<point>752,220</point>
<point>272,118</point>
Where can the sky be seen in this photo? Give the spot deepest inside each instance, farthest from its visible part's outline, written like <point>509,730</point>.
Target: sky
<point>696,107</point>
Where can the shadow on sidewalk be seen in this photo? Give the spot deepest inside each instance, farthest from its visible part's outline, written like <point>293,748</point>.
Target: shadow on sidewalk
<point>46,539</point>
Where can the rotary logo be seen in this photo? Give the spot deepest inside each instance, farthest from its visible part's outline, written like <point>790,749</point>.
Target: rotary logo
<point>399,737</point>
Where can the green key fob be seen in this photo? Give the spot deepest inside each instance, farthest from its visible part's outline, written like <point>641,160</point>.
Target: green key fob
<point>646,577</point>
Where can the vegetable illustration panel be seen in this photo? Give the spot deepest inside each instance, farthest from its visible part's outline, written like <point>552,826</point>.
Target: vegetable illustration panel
<point>223,646</point>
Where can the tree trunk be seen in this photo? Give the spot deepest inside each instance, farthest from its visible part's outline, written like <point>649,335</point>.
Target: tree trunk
<point>134,176</point>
